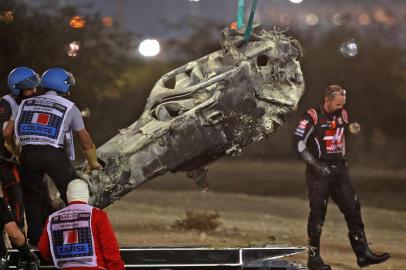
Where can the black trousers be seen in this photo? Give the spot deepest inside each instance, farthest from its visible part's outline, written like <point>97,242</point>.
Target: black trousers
<point>13,194</point>
<point>36,160</point>
<point>340,188</point>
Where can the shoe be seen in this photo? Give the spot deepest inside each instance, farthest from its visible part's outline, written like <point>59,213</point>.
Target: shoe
<point>365,256</point>
<point>315,262</point>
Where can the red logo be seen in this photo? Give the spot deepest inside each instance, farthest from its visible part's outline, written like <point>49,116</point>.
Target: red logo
<point>334,139</point>
<point>1,110</point>
<point>40,118</point>
<point>303,124</point>
<point>313,115</point>
<point>70,237</point>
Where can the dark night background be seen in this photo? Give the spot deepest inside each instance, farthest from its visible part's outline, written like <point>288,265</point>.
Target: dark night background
<point>261,195</point>
<point>111,74</point>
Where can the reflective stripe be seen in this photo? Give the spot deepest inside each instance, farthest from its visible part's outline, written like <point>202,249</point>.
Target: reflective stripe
<point>71,146</point>
<point>13,104</point>
<point>304,141</point>
<point>318,146</point>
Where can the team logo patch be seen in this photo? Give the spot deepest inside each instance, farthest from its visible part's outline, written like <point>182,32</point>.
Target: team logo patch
<point>313,115</point>
<point>300,130</point>
<point>40,118</point>
<point>1,110</point>
<point>303,124</point>
<point>334,140</point>
<point>70,237</point>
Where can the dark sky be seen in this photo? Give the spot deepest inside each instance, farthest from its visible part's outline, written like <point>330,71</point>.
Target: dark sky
<point>146,16</point>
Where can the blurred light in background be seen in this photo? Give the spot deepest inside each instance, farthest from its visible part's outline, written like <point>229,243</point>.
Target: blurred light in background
<point>149,47</point>
<point>312,19</point>
<point>7,16</point>
<point>363,19</point>
<point>285,19</point>
<point>77,22</point>
<point>391,21</point>
<point>73,49</point>
<point>194,0</point>
<point>107,21</point>
<point>296,1</point>
<point>338,19</point>
<point>85,113</point>
<point>349,48</point>
<point>381,16</point>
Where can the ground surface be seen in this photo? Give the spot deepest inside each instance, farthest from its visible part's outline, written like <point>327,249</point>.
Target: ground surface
<point>262,202</point>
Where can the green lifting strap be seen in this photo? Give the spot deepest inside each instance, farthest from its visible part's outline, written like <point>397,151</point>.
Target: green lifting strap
<point>248,30</point>
<point>240,14</point>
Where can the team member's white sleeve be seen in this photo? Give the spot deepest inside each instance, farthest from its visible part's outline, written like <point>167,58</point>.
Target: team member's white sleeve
<point>77,120</point>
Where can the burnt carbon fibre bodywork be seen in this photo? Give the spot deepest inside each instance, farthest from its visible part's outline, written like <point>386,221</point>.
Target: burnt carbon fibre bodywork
<point>215,106</point>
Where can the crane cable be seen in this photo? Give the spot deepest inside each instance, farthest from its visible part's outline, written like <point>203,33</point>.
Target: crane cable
<point>248,30</point>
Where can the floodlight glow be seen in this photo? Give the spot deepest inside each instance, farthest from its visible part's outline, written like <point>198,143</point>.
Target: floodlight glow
<point>296,1</point>
<point>349,48</point>
<point>338,19</point>
<point>85,113</point>
<point>149,47</point>
<point>312,19</point>
<point>73,49</point>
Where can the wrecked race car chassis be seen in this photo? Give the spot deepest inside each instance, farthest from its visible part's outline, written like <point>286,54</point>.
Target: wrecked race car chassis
<point>201,111</point>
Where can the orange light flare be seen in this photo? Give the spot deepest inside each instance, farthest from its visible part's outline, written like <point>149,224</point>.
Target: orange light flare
<point>233,26</point>
<point>363,19</point>
<point>77,22</point>
<point>7,16</point>
<point>380,15</point>
<point>107,21</point>
<point>383,17</point>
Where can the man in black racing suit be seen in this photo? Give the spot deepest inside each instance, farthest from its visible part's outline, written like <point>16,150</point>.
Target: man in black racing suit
<point>319,140</point>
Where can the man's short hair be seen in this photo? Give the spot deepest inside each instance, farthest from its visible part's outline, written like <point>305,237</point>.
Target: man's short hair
<point>333,91</point>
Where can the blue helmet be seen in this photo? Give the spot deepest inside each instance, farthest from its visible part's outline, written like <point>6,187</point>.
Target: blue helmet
<point>57,79</point>
<point>22,78</point>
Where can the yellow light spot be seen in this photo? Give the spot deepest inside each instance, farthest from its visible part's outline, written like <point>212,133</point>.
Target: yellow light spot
<point>312,19</point>
<point>338,19</point>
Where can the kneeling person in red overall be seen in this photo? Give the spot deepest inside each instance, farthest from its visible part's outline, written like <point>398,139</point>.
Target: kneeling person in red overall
<point>80,236</point>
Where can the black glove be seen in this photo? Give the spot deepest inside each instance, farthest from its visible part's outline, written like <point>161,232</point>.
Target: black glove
<point>27,254</point>
<point>319,166</point>
<point>323,169</point>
